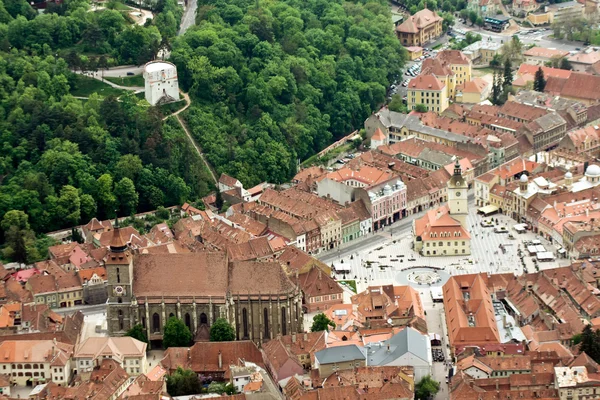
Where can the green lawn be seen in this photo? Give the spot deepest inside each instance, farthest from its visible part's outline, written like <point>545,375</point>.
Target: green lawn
<point>351,284</point>
<point>85,86</point>
<point>137,80</point>
<point>170,108</point>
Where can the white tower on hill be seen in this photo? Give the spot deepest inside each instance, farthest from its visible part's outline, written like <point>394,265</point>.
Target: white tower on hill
<point>161,82</point>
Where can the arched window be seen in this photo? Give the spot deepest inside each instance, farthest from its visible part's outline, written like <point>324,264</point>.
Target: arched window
<point>121,327</point>
<point>266,323</point>
<point>155,323</point>
<point>144,322</point>
<point>188,321</point>
<point>27,366</point>
<point>171,315</point>
<point>119,300</point>
<point>245,322</point>
<point>203,319</point>
<point>118,276</point>
<point>283,321</point>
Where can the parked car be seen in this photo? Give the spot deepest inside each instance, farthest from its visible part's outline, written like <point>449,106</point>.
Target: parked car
<point>130,74</point>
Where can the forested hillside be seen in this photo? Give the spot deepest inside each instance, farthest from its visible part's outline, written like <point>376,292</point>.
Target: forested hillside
<point>66,160</point>
<point>276,81</point>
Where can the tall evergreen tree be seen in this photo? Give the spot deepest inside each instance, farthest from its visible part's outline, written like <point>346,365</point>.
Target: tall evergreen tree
<point>508,75</point>
<point>496,89</point>
<point>539,83</point>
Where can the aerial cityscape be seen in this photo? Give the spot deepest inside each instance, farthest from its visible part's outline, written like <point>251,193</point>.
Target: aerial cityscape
<point>272,200</point>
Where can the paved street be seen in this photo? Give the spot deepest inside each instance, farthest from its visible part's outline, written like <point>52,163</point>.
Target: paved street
<point>189,16</point>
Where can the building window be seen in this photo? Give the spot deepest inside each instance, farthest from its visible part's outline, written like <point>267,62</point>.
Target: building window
<point>245,322</point>
<point>283,321</point>
<point>155,323</point>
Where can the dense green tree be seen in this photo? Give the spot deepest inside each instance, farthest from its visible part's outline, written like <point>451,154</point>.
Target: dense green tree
<point>19,237</point>
<point>176,334</point>
<point>321,323</point>
<point>426,388</point>
<point>421,108</point>
<point>565,64</point>
<point>397,104</point>
<point>507,78</point>
<point>221,331</point>
<point>539,83</point>
<point>126,196</point>
<point>590,342</point>
<point>496,89</point>
<point>183,382</point>
<point>138,332</point>
<point>221,387</point>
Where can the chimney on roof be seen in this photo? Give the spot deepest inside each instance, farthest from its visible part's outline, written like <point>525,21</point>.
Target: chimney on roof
<point>220,360</point>
<point>293,337</point>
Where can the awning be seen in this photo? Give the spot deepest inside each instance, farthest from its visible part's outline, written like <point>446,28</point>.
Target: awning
<point>488,209</point>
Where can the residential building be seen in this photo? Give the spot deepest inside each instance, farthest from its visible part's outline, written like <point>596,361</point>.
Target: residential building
<point>540,55</point>
<point>128,352</point>
<point>31,362</point>
<point>386,201</point>
<point>212,360</point>
<point>288,355</point>
<point>545,132</point>
<point>526,74</point>
<point>339,358</point>
<point>429,91</point>
<point>55,287</point>
<point>94,282</point>
<point>482,51</point>
<point>397,127</point>
<point>580,87</point>
<point>585,60</point>
<point>414,52</point>
<point>474,91</point>
<point>573,112</point>
<point>381,304</point>
<point>320,290</point>
<point>562,12</point>
<point>523,7</point>
<point>583,141</point>
<point>451,67</point>
<point>576,383</point>
<point>407,347</point>
<point>469,311</point>
<point>107,381</point>
<point>484,8</point>
<point>420,28</point>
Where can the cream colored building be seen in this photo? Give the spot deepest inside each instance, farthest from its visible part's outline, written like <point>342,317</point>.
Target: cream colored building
<point>473,92</point>
<point>562,12</point>
<point>444,231</point>
<point>573,383</point>
<point>130,353</point>
<point>331,229</point>
<point>32,362</point>
<point>451,67</point>
<point>420,28</point>
<point>427,90</point>
<point>482,51</point>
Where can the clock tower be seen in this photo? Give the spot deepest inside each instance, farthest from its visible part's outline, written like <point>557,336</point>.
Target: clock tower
<point>457,196</point>
<point>119,270</point>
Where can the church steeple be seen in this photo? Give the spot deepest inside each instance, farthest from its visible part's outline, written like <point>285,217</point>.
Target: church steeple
<point>117,243</point>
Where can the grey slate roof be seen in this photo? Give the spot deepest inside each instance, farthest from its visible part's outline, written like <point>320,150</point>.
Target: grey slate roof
<point>413,123</point>
<point>405,341</point>
<point>339,354</point>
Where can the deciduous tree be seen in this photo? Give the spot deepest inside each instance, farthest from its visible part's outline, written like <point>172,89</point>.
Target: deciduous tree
<point>176,334</point>
<point>221,331</point>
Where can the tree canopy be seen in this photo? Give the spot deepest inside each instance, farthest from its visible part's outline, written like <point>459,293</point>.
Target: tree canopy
<point>183,382</point>
<point>321,323</point>
<point>275,84</point>
<point>426,388</point>
<point>221,331</point>
<point>176,334</point>
<point>590,343</point>
<point>138,332</point>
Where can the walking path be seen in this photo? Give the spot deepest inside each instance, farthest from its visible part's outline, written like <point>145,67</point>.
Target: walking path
<point>196,146</point>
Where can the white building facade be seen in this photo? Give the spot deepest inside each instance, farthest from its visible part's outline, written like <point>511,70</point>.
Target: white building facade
<point>161,82</point>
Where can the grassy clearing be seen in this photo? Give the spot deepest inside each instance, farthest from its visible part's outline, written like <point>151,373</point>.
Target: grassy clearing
<point>171,108</point>
<point>351,284</point>
<point>85,86</point>
<point>137,80</point>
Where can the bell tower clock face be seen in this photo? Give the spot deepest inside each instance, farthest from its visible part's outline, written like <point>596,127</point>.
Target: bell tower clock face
<point>458,194</point>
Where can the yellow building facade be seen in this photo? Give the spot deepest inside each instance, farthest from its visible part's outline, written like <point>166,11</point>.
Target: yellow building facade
<point>429,91</point>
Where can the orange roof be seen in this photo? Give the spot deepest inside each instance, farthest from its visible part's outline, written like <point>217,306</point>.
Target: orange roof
<point>378,135</point>
<point>426,82</point>
<point>8,312</point>
<point>438,221</point>
<point>365,174</point>
<point>469,311</point>
<point>420,20</point>
<point>530,69</point>
<point>546,53</point>
<point>477,85</point>
<point>87,274</point>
